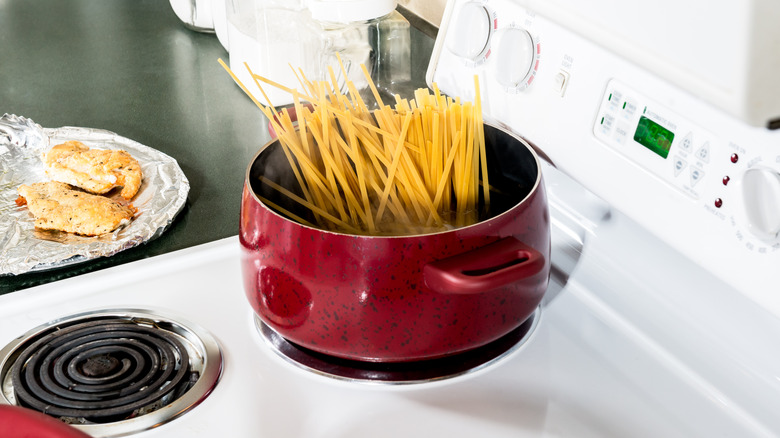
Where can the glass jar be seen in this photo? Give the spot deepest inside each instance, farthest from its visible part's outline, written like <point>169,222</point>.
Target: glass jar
<point>368,32</point>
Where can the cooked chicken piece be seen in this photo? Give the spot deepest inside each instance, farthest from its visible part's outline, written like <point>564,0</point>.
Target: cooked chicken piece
<point>57,206</point>
<point>94,170</point>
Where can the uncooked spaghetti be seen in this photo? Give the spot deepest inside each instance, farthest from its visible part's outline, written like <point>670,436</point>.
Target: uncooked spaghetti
<point>410,168</point>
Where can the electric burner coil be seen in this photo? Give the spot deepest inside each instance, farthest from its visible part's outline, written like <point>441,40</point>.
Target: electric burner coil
<point>111,370</point>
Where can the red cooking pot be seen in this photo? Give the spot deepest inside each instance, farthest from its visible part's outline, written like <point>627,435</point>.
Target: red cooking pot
<point>399,298</point>
<point>19,422</point>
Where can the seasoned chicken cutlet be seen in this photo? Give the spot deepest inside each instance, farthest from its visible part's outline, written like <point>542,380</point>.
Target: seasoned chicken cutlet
<point>94,170</point>
<point>57,206</point>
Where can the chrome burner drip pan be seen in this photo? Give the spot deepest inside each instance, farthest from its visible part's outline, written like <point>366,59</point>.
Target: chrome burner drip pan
<point>402,373</point>
<point>111,372</point>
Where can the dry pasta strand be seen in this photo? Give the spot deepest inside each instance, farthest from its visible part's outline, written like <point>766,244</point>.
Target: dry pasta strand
<point>404,168</point>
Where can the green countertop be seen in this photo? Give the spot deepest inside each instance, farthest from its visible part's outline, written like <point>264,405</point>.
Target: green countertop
<point>131,67</point>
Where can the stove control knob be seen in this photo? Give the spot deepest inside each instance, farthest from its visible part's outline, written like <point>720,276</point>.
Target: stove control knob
<point>760,192</point>
<point>469,37</point>
<point>515,55</point>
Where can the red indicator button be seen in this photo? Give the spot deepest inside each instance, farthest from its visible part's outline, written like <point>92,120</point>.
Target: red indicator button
<point>718,203</point>
<point>734,158</point>
<point>726,180</point>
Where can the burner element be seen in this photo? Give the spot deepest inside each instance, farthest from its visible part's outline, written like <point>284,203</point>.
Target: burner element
<point>106,368</point>
<point>101,370</point>
<point>400,373</point>
<point>102,365</point>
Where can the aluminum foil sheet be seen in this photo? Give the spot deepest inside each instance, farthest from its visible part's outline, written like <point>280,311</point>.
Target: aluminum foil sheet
<point>23,248</point>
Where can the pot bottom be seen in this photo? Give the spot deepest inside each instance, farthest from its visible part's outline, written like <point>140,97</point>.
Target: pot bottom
<point>398,373</point>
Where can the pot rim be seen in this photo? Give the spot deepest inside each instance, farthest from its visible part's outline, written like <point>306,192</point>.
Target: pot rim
<point>534,189</point>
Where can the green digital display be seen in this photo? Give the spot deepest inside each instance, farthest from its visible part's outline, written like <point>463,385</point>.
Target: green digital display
<point>653,136</point>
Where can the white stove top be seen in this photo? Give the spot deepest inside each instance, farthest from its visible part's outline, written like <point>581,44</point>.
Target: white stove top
<point>637,337</point>
<point>618,352</point>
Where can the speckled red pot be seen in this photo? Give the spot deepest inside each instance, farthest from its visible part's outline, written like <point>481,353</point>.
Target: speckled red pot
<point>393,299</point>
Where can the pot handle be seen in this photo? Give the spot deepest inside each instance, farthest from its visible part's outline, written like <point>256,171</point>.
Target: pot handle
<point>492,266</point>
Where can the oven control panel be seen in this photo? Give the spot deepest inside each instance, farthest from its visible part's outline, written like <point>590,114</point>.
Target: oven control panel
<point>729,180</point>
<point>658,140</point>
<point>698,178</point>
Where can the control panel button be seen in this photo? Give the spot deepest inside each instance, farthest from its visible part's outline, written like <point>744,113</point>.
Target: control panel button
<point>696,176</point>
<point>471,33</point>
<point>679,165</point>
<point>515,56</point>
<point>687,142</point>
<point>560,81</point>
<point>607,121</point>
<point>622,132</point>
<point>614,97</point>
<point>629,108</point>
<point>760,194</point>
<point>704,152</point>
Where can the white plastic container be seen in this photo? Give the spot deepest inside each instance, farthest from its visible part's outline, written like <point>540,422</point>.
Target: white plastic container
<point>270,37</point>
<point>219,15</point>
<point>278,38</point>
<point>369,32</point>
<point>195,14</point>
